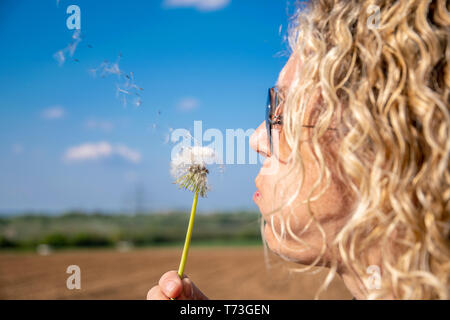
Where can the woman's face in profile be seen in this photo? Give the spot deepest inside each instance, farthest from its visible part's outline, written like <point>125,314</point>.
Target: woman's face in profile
<point>331,210</point>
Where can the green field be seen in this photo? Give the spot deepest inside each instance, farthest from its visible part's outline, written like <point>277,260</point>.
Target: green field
<point>82,230</point>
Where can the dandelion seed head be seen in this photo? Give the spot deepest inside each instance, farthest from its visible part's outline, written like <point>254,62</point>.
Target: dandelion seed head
<point>189,168</point>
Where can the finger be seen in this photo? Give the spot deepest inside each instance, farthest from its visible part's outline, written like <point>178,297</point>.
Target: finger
<point>155,293</point>
<point>190,291</point>
<point>170,284</point>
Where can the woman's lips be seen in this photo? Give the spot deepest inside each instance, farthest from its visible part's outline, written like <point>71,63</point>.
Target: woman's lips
<point>257,195</point>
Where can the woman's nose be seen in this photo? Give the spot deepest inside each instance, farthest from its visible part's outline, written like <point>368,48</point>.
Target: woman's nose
<point>259,140</point>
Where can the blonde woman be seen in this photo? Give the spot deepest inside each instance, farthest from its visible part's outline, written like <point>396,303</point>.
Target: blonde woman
<point>357,144</point>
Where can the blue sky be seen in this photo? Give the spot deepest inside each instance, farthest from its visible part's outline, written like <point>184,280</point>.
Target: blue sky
<point>212,63</point>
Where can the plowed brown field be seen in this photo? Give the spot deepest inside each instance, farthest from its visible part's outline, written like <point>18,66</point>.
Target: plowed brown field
<point>221,273</point>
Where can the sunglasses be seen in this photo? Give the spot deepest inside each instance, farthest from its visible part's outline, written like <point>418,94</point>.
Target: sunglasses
<point>274,100</point>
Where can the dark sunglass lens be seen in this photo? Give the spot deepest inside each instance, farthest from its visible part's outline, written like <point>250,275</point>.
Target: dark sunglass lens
<point>269,112</point>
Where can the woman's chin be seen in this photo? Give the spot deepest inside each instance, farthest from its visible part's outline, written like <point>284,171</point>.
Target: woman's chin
<point>298,253</point>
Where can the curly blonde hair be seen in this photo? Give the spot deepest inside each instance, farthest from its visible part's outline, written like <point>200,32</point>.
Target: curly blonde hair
<point>387,77</point>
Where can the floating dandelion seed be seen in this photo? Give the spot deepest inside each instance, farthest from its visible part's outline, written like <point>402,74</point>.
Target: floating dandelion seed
<point>120,90</point>
<point>189,168</point>
<point>126,86</point>
<point>69,50</point>
<point>59,57</point>
<point>138,102</point>
<point>76,40</point>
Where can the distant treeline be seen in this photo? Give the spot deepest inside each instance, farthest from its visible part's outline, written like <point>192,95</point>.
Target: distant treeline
<point>77,229</point>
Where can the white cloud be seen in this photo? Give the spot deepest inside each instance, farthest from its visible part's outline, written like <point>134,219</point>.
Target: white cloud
<point>103,125</point>
<point>202,5</point>
<point>53,113</point>
<point>127,153</point>
<point>101,150</point>
<point>188,104</point>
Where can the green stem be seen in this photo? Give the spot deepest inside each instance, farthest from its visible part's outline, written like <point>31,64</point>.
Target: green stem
<point>188,236</point>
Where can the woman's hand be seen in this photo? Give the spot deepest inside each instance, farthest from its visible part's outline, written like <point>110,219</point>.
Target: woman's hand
<point>171,286</point>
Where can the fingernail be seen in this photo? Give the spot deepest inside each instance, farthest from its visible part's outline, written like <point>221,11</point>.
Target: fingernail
<point>170,286</point>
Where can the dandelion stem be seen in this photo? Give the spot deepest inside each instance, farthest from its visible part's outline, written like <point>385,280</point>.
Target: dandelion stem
<point>188,236</point>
